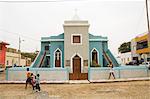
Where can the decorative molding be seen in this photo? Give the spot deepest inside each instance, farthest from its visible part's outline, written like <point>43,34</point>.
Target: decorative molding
<point>52,40</point>
<point>85,62</point>
<point>44,40</point>
<point>76,35</point>
<point>98,39</point>
<point>67,62</point>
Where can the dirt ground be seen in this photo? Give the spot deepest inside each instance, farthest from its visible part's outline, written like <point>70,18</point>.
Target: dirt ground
<point>117,90</point>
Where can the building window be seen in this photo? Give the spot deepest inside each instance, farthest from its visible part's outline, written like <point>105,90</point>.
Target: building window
<point>46,48</point>
<point>57,58</point>
<point>142,44</point>
<point>94,57</point>
<point>76,39</point>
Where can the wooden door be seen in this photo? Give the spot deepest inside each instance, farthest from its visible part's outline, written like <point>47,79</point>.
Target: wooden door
<point>77,75</point>
<point>76,67</point>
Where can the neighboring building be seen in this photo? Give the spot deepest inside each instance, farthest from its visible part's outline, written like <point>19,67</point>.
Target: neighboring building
<point>3,49</point>
<point>126,57</point>
<point>142,46</point>
<point>134,55</point>
<point>140,50</point>
<point>13,57</point>
<point>75,49</point>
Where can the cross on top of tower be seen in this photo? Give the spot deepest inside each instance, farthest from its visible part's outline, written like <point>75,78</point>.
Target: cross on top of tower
<point>76,17</point>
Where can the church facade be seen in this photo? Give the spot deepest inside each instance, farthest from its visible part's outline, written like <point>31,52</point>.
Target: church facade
<point>76,50</point>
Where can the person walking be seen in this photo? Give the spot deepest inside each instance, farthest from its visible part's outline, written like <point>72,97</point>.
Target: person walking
<point>33,81</point>
<point>38,82</point>
<point>28,80</point>
<point>111,71</point>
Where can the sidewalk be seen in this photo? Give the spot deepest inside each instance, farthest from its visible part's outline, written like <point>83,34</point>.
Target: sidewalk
<point>81,81</point>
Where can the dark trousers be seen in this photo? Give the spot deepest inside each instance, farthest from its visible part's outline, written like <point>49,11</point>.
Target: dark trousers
<point>34,87</point>
<point>38,87</point>
<point>28,81</point>
<point>111,73</point>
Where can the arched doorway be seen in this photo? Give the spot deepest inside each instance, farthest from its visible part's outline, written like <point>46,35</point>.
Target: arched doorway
<point>76,66</point>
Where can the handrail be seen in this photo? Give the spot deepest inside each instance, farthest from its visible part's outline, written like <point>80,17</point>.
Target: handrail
<point>107,58</point>
<point>42,59</point>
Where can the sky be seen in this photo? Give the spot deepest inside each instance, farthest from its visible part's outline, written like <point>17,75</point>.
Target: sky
<point>119,20</point>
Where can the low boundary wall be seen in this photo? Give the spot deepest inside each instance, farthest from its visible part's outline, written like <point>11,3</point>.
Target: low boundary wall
<point>122,72</point>
<point>61,75</point>
<point>46,74</point>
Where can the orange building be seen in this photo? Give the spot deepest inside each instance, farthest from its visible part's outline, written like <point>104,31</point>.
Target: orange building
<point>3,53</point>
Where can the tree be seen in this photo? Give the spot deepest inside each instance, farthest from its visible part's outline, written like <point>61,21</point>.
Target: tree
<point>125,47</point>
<point>30,55</point>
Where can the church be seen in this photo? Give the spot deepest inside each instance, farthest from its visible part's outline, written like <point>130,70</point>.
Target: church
<point>76,50</point>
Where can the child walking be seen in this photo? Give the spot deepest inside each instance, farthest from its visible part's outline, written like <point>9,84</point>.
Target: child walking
<point>28,80</point>
<point>38,82</point>
<point>34,82</point>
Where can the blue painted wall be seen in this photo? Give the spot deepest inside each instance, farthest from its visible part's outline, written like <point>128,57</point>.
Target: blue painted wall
<point>98,46</point>
<point>105,45</point>
<point>43,44</point>
<point>54,46</point>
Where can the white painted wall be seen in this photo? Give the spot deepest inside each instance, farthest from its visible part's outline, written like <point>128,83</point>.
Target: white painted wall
<point>125,57</point>
<point>45,75</point>
<point>76,27</point>
<point>13,58</point>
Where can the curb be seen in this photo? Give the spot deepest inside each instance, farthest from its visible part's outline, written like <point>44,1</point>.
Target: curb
<point>80,81</point>
<point>120,80</point>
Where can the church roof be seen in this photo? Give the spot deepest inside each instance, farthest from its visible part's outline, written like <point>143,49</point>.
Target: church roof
<point>60,37</point>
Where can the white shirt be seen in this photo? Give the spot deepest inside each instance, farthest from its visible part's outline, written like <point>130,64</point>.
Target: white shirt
<point>111,70</point>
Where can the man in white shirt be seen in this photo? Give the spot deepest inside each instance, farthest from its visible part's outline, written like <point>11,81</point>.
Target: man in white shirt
<point>111,71</point>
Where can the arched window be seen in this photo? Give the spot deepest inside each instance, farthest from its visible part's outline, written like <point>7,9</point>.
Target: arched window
<point>57,58</point>
<point>94,57</point>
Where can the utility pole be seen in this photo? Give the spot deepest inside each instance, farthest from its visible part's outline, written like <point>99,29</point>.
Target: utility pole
<point>19,49</point>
